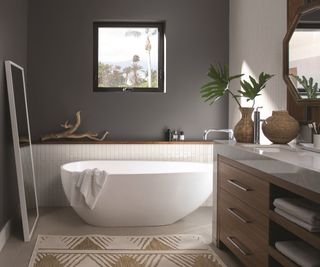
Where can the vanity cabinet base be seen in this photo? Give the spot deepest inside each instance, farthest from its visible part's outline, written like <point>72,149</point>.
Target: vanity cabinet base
<point>247,224</point>
<point>242,214</point>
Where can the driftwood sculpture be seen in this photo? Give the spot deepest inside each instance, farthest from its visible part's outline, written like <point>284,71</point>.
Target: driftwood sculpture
<point>70,130</point>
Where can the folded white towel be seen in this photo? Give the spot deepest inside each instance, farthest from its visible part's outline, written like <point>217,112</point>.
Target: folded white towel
<point>90,183</point>
<point>297,221</point>
<point>302,209</point>
<point>300,253</point>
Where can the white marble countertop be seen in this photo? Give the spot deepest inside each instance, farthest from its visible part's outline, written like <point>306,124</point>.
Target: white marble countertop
<point>287,162</point>
<point>292,154</point>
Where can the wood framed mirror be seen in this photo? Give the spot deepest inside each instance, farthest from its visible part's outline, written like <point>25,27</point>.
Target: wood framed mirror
<point>301,52</point>
<point>22,147</point>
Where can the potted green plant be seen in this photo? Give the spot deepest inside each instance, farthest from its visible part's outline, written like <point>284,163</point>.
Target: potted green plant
<point>308,85</point>
<point>219,86</point>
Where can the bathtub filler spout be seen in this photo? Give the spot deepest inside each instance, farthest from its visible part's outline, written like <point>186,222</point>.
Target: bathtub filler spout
<point>229,131</point>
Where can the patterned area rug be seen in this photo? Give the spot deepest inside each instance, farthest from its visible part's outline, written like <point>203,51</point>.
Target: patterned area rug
<point>123,251</point>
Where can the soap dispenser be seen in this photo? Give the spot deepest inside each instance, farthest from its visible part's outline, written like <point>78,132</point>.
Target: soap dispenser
<point>175,135</point>
<point>181,136</point>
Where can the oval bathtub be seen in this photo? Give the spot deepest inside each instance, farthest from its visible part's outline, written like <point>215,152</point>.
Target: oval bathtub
<point>142,193</point>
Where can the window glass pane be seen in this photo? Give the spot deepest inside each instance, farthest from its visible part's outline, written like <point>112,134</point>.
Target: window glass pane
<point>128,57</point>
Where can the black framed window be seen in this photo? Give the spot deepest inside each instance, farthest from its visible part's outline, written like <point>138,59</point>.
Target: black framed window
<point>129,56</point>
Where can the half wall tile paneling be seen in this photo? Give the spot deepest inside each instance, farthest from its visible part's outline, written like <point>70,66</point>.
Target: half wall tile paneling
<point>49,157</point>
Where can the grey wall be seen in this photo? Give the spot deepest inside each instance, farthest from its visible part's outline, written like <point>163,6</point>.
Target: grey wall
<point>60,67</point>
<point>13,46</point>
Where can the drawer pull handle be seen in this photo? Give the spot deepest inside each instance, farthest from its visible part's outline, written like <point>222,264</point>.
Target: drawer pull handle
<point>238,216</point>
<point>238,185</point>
<point>243,251</point>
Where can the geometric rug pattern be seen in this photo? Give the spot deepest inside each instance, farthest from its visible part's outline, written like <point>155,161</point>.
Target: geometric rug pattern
<point>123,251</point>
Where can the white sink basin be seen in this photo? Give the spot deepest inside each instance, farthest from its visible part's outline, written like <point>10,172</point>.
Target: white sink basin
<point>260,146</point>
<point>272,148</point>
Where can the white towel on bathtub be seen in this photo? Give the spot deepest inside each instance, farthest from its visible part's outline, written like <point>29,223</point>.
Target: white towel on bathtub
<point>90,183</point>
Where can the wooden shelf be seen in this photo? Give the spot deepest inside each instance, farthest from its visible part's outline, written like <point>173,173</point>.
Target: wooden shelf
<point>280,258</point>
<point>312,238</point>
<point>123,142</point>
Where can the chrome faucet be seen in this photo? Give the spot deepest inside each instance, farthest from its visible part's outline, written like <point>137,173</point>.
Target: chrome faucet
<point>257,121</point>
<point>229,131</point>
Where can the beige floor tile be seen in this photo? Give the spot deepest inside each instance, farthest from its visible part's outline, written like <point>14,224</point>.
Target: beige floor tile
<point>64,221</point>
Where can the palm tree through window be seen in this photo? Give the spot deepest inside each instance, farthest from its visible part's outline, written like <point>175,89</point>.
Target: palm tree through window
<point>129,56</point>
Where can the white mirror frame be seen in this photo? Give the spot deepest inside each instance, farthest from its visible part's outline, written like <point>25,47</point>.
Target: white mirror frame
<point>27,231</point>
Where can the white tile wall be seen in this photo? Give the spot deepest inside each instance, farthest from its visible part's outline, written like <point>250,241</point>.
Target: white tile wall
<point>49,158</point>
<point>256,32</point>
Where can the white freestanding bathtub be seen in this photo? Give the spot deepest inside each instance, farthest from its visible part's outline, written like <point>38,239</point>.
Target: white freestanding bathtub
<point>142,193</point>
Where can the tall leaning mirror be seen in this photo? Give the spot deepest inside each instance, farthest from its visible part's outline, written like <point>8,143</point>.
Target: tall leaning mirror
<point>22,147</point>
<point>302,55</point>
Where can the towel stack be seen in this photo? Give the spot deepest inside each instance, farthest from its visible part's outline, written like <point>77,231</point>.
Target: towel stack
<point>299,211</point>
<point>299,252</point>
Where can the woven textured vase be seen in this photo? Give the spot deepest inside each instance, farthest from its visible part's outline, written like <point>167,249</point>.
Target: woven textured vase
<point>280,128</point>
<point>243,131</point>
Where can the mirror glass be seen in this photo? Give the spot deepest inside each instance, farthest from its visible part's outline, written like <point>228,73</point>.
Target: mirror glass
<point>22,147</point>
<point>304,55</point>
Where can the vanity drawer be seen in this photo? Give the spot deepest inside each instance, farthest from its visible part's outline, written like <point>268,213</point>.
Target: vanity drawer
<point>245,186</point>
<point>245,218</point>
<point>247,240</point>
<point>243,251</point>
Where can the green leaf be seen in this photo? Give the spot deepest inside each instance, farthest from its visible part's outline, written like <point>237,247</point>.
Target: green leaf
<point>250,90</point>
<point>219,83</point>
<point>311,89</point>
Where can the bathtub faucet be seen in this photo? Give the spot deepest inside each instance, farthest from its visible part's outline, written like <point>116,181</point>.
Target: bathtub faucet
<point>229,131</point>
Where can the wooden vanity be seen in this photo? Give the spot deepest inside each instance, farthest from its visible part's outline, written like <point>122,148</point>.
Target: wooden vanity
<point>246,222</point>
